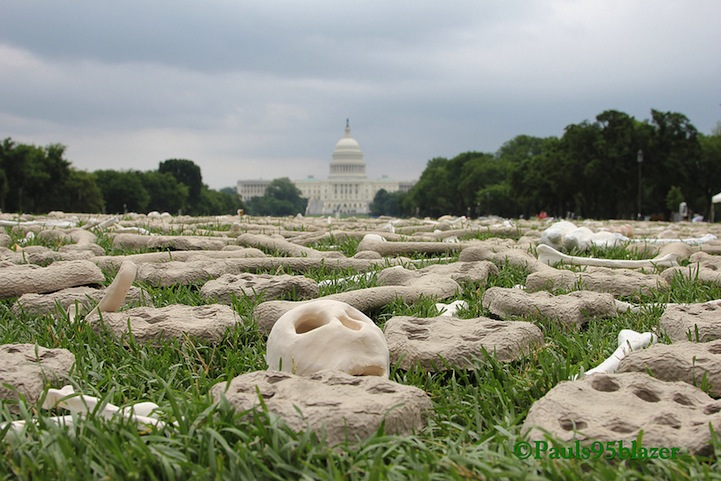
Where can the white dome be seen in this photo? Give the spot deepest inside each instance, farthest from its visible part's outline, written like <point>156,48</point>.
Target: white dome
<point>347,160</point>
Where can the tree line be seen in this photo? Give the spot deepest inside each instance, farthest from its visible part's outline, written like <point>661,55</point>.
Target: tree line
<point>37,180</point>
<point>597,169</point>
<point>591,171</point>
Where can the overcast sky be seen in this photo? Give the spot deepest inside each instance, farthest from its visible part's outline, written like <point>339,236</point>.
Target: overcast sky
<point>262,89</point>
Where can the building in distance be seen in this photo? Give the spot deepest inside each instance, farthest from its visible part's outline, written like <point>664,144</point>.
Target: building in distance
<point>346,191</point>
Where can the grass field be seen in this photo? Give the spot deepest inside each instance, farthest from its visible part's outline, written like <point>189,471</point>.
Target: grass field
<point>470,435</point>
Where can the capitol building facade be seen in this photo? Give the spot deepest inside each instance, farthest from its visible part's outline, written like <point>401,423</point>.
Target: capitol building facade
<point>346,191</point>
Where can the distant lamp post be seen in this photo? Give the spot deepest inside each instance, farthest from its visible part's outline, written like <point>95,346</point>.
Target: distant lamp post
<point>639,160</point>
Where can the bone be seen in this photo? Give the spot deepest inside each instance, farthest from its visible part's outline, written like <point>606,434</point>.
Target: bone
<point>142,414</point>
<point>327,334</point>
<point>118,289</point>
<point>570,310</point>
<point>619,282</point>
<point>177,242</point>
<point>283,246</point>
<point>628,341</point>
<point>25,279</point>
<point>384,248</point>
<point>694,241</point>
<point>502,256</point>
<point>190,272</point>
<point>182,256</point>
<point>703,267</point>
<point>451,309</point>
<point>549,255</point>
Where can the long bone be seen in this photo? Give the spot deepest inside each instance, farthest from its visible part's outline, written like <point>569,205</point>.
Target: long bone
<point>549,255</point>
<point>81,404</point>
<point>628,341</point>
<point>116,292</point>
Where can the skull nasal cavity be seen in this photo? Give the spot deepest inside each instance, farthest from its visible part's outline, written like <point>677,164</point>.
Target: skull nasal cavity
<point>308,323</point>
<point>350,323</point>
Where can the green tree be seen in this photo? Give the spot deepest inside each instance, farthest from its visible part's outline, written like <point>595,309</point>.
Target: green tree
<point>166,194</point>
<point>35,176</point>
<point>218,202</point>
<point>709,183</point>
<point>4,188</point>
<point>188,173</point>
<point>673,157</point>
<point>123,191</point>
<point>82,194</point>
<point>281,197</point>
<point>388,203</point>
<point>431,195</point>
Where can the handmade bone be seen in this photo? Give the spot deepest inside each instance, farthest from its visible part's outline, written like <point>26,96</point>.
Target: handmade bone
<point>142,414</point>
<point>118,289</point>
<point>549,255</point>
<point>327,334</point>
<point>628,341</point>
<point>451,309</point>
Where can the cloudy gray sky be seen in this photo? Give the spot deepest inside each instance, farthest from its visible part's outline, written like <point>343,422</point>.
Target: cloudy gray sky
<point>261,89</point>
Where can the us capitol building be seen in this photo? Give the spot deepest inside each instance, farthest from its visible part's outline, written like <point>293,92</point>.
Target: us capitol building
<point>346,191</point>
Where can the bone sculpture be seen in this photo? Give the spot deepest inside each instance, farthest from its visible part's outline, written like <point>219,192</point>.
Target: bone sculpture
<point>451,309</point>
<point>549,255</point>
<point>141,413</point>
<point>116,292</point>
<point>327,334</point>
<point>694,241</point>
<point>628,341</point>
<point>566,234</point>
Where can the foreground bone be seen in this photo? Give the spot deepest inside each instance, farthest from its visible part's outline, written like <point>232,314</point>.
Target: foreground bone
<point>118,289</point>
<point>628,341</point>
<point>115,293</point>
<point>67,398</point>
<point>327,334</point>
<point>549,255</point>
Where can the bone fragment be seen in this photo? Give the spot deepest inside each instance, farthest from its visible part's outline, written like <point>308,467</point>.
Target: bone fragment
<point>81,404</point>
<point>628,341</point>
<point>549,255</point>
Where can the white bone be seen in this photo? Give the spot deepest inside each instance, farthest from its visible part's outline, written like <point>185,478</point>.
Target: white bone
<point>622,306</point>
<point>691,241</point>
<point>549,255</point>
<point>79,403</point>
<point>628,341</point>
<point>327,334</point>
<point>117,291</point>
<point>142,414</point>
<point>115,294</point>
<point>555,235</point>
<point>452,308</point>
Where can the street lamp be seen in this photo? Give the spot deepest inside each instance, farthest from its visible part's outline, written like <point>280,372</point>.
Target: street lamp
<point>639,160</point>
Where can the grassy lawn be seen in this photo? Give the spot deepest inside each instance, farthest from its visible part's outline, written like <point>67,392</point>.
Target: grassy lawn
<point>471,434</point>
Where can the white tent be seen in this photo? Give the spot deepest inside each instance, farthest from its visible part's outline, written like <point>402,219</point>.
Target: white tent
<point>716,198</point>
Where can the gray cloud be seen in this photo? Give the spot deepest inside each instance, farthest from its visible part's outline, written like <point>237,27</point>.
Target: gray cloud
<point>256,89</point>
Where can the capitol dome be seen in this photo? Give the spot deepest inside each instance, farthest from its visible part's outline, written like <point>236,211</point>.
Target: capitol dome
<point>347,160</point>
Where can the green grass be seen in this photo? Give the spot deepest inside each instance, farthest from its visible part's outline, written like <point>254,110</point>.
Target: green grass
<point>476,419</point>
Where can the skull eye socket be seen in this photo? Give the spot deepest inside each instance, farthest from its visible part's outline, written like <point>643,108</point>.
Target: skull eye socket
<point>309,323</point>
<point>350,323</point>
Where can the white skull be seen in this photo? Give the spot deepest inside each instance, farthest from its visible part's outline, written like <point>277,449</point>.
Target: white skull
<point>327,334</point>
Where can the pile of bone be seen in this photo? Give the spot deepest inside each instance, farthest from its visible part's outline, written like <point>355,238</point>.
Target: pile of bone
<point>352,395</point>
